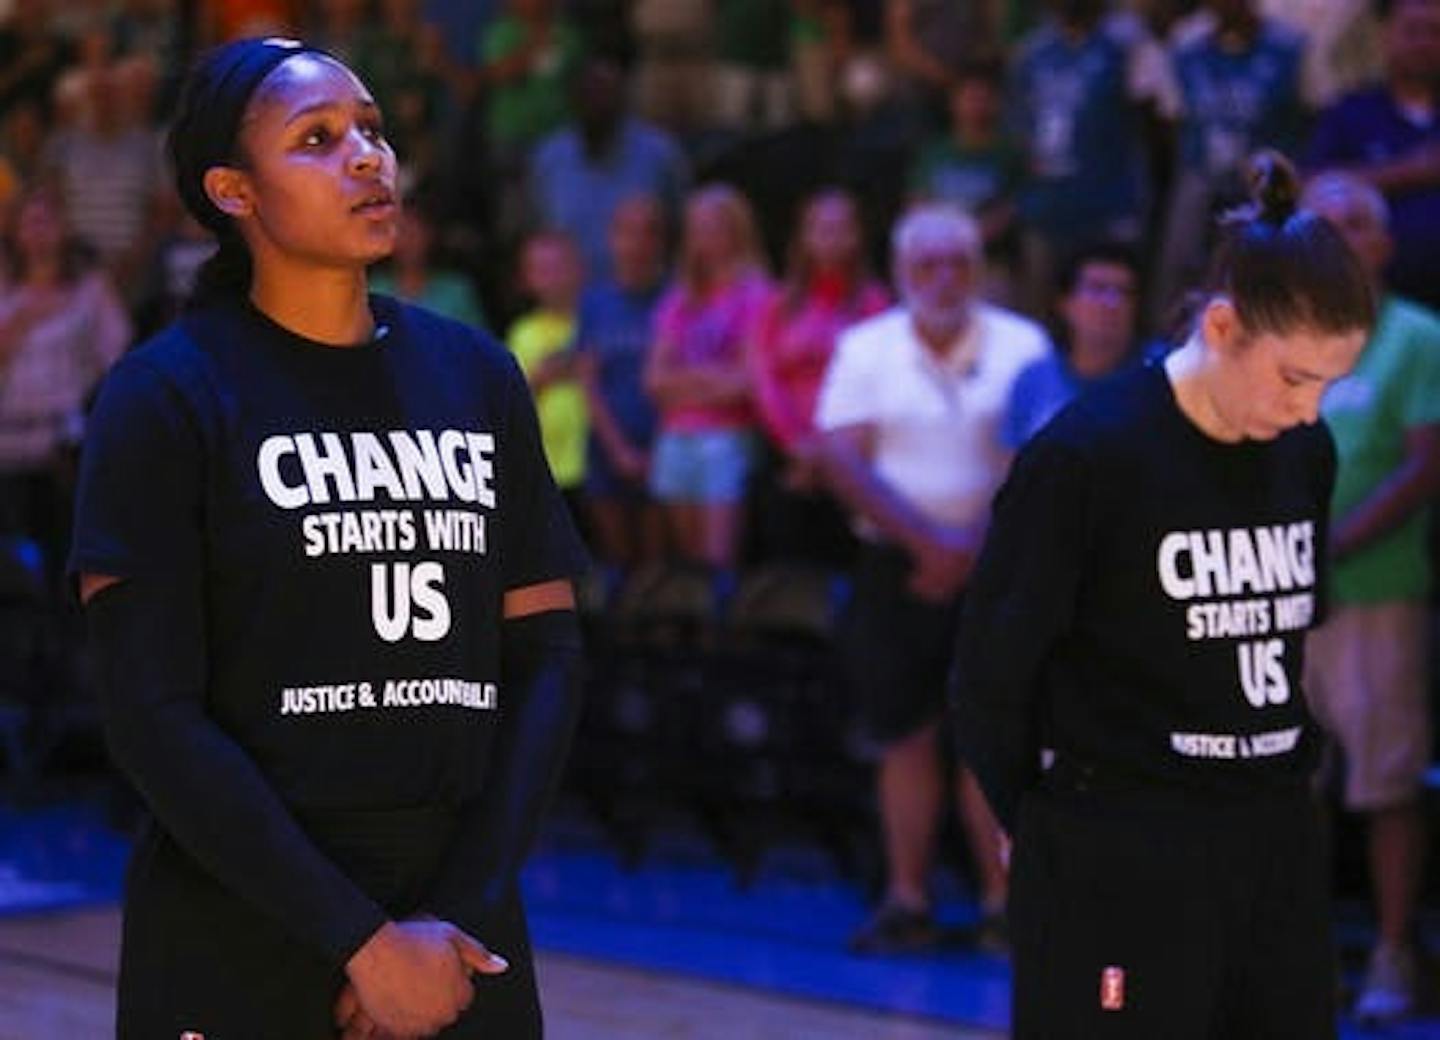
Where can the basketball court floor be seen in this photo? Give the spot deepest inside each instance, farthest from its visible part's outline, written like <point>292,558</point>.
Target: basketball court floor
<point>670,948</point>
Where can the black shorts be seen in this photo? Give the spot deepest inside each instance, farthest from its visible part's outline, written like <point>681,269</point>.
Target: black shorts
<point>197,957</point>
<point>1163,914</point>
<point>897,649</point>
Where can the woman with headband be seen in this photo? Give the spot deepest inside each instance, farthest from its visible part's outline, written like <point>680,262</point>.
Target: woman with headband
<point>328,580</point>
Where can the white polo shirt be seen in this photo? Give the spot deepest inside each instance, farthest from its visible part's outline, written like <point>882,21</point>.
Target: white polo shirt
<point>936,418</point>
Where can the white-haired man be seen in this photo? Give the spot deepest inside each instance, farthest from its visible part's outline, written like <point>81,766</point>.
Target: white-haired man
<point>1366,668</point>
<point>910,410</point>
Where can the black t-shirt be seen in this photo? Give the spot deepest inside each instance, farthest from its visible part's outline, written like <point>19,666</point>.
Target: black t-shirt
<point>1142,599</point>
<point>353,516</point>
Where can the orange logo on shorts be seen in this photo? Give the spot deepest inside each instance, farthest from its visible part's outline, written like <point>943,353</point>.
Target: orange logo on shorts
<point>1112,989</point>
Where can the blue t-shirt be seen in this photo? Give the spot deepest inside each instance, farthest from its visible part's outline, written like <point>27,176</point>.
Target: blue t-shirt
<point>461,22</point>
<point>1367,127</point>
<point>577,193</point>
<point>1237,101</point>
<point>1040,390</point>
<point>1047,385</point>
<point>1072,108</point>
<point>616,326</point>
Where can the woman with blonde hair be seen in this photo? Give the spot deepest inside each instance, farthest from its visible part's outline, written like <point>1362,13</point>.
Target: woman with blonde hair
<point>697,375</point>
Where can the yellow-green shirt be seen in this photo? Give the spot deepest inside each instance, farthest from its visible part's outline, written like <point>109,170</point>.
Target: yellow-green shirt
<point>564,422</point>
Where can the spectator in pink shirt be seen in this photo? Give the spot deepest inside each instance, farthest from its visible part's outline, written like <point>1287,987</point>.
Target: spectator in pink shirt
<point>827,289</point>
<point>698,377</point>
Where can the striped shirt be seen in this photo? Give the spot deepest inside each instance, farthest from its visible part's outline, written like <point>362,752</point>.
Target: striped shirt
<point>108,183</point>
<point>61,358</point>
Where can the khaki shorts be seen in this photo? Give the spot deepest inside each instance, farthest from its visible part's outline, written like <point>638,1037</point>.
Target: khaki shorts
<point>1367,681</point>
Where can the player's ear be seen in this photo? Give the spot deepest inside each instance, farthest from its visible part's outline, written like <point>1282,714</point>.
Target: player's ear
<point>1220,326</point>
<point>229,189</point>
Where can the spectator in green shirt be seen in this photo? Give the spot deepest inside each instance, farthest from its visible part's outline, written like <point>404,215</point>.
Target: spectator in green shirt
<point>526,57</point>
<point>1367,667</point>
<point>754,87</point>
<point>975,166</point>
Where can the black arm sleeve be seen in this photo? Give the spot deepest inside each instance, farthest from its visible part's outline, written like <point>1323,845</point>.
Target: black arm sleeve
<point>1018,604</point>
<point>539,711</point>
<point>140,518</point>
<point>146,638</point>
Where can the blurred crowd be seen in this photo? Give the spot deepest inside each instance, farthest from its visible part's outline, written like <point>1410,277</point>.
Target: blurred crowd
<point>670,209</point>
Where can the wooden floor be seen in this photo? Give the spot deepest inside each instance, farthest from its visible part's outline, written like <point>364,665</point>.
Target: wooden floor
<point>57,977</point>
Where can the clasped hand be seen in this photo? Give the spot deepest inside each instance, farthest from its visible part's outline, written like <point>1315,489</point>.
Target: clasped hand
<point>942,561</point>
<point>411,979</point>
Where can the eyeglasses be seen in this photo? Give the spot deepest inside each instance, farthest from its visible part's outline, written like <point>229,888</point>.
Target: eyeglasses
<point>1120,292</point>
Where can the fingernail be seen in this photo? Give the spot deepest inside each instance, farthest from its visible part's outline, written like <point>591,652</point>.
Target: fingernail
<point>499,962</point>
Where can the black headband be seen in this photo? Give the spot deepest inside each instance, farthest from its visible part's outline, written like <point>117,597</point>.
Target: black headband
<point>216,94</point>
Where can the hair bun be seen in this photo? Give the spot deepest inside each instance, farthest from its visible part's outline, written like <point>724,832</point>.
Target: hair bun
<point>1274,187</point>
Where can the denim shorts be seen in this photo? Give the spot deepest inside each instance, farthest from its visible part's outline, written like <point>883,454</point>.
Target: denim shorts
<point>711,466</point>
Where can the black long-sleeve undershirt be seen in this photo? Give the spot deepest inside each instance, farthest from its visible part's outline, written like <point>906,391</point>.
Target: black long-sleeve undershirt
<point>540,656</point>
<point>1019,600</point>
<point>147,639</point>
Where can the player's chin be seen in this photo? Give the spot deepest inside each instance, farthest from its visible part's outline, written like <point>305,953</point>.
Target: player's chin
<point>372,247</point>
<point>1262,431</point>
<point>374,256</point>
